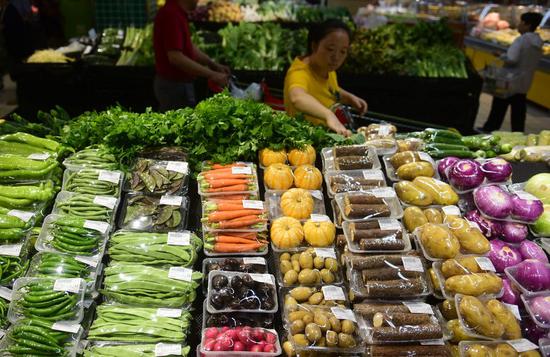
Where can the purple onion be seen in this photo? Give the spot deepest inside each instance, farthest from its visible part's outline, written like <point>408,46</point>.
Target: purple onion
<point>533,275</point>
<point>466,174</point>
<point>514,232</point>
<point>532,331</point>
<point>540,307</point>
<point>490,229</point>
<point>526,210</point>
<point>493,201</point>
<point>510,295</point>
<point>497,170</point>
<point>444,164</point>
<point>531,250</point>
<point>503,256</point>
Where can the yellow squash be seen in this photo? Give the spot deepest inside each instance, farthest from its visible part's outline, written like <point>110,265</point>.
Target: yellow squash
<point>319,234</point>
<point>278,177</point>
<point>308,177</point>
<point>286,232</point>
<point>269,157</point>
<point>297,203</point>
<point>303,156</point>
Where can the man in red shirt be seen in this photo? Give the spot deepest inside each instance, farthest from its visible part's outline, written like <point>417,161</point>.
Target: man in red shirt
<point>177,60</point>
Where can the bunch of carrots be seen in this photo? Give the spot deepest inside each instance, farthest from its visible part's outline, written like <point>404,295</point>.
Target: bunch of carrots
<point>221,213</point>
<point>217,178</point>
<point>235,242</point>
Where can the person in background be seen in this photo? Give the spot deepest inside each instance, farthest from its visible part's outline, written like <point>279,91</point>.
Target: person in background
<point>311,86</point>
<point>177,60</point>
<point>521,59</point>
<point>18,30</point>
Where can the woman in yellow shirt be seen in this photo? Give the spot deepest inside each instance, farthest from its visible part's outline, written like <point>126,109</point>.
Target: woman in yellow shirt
<point>311,86</point>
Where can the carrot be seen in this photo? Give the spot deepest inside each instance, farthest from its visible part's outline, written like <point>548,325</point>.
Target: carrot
<point>223,205</point>
<point>224,175</point>
<point>229,239</point>
<point>233,188</point>
<point>245,235</point>
<point>244,196</point>
<point>223,183</point>
<point>223,166</point>
<point>234,248</point>
<point>227,215</point>
<point>241,223</point>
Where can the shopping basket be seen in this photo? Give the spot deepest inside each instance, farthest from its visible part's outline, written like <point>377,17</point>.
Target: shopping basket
<point>499,81</point>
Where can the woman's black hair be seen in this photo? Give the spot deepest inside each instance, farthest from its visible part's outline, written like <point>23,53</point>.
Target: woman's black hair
<point>532,19</point>
<point>317,32</point>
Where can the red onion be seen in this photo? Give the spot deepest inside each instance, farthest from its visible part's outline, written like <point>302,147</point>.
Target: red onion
<point>532,331</point>
<point>465,174</point>
<point>503,256</point>
<point>510,295</point>
<point>531,250</point>
<point>493,201</point>
<point>514,232</point>
<point>540,307</point>
<point>444,164</point>
<point>496,170</point>
<point>490,229</point>
<point>526,210</point>
<point>533,275</point>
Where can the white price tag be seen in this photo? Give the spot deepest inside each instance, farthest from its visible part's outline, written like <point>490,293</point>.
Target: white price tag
<point>253,204</point>
<point>485,263</point>
<point>68,285</point>
<point>317,194</point>
<point>91,261</point>
<point>241,170</point>
<point>12,250</point>
<point>525,196</point>
<point>5,293</point>
<point>331,292</point>
<point>109,176</point>
<point>105,201</point>
<point>167,349</point>
<point>325,253</point>
<point>180,273</point>
<point>101,227</point>
<point>39,156</point>
<point>388,224</point>
<point>514,309</point>
<point>22,215</point>
<point>473,224</point>
<point>412,264</point>
<point>178,166</point>
<point>254,260</point>
<point>262,278</point>
<point>419,308</point>
<point>87,50</point>
<point>164,312</point>
<point>424,156</point>
<point>373,175</point>
<point>343,314</point>
<point>451,210</point>
<point>319,218</point>
<point>179,238</point>
<point>383,192</point>
<point>522,345</point>
<point>432,343</point>
<point>384,130</point>
<point>66,327</point>
<point>169,200</point>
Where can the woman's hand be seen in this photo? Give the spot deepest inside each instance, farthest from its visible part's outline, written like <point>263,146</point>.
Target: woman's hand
<point>359,104</point>
<point>334,124</point>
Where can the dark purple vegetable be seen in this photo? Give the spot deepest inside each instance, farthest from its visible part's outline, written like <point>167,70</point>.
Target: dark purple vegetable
<point>540,307</point>
<point>444,164</point>
<point>533,275</point>
<point>531,250</point>
<point>493,201</point>
<point>503,256</point>
<point>496,170</point>
<point>465,174</point>
<point>510,296</point>
<point>526,210</point>
<point>489,228</point>
<point>514,232</point>
<point>532,331</point>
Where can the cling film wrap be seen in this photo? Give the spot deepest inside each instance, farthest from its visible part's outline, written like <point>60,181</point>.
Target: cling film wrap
<point>326,295</point>
<point>532,305</point>
<point>158,177</point>
<point>140,285</point>
<point>236,318</point>
<point>481,170</point>
<point>387,276</point>
<point>114,349</point>
<point>219,214</point>
<point>414,217</point>
<point>496,348</point>
<point>486,319</point>
<point>48,339</point>
<point>154,213</point>
<point>171,249</point>
<point>409,144</point>
<point>254,236</point>
<point>370,204</point>
<point>353,180</point>
<point>538,289</point>
<point>296,202</point>
<point>388,322</point>
<point>435,348</point>
<point>93,181</point>
<point>91,158</point>
<point>378,131</point>
<point>252,338</point>
<point>4,306</point>
<point>14,261</point>
<point>124,323</point>
<point>409,164</point>
<point>93,207</point>
<point>49,299</point>
<point>239,178</point>
<point>338,217</point>
<point>351,157</point>
<point>255,265</point>
<point>425,192</point>
<point>308,267</point>
<point>376,236</point>
<point>34,167</point>
<point>340,329</point>
<point>26,196</point>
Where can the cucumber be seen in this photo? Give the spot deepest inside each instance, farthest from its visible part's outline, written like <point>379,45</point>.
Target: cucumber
<point>440,154</point>
<point>443,146</point>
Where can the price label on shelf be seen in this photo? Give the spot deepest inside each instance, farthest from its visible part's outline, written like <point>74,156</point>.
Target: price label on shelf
<point>164,312</point>
<point>485,263</point>
<point>319,218</point>
<point>412,264</point>
<point>179,238</point>
<point>5,293</point>
<point>262,278</point>
<point>178,166</point>
<point>388,224</point>
<point>254,260</point>
<point>343,314</point>
<point>253,204</point>
<point>22,215</point>
<point>522,345</point>
<point>383,192</point>
<point>331,292</point>
<point>101,227</point>
<point>241,170</point>
<point>109,176</point>
<point>373,175</point>
<point>68,285</point>
<point>180,273</point>
<point>12,250</point>
<point>451,210</point>
<point>169,200</point>
<point>105,201</point>
<point>167,349</point>
<point>325,252</point>
<point>39,156</point>
<point>64,326</point>
<point>91,261</point>
<point>514,309</point>
<point>418,308</point>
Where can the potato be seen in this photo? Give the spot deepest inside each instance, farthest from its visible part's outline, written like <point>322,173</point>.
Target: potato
<point>301,293</point>
<point>459,266</point>
<point>479,318</point>
<point>480,351</point>
<point>285,266</point>
<point>299,315</point>
<point>297,326</point>
<point>284,256</point>
<point>335,324</point>
<point>316,298</point>
<point>290,303</point>
<point>313,332</point>
<point>346,341</point>
<point>318,263</point>
<point>433,215</point>
<point>321,320</point>
<point>474,284</point>
<point>300,340</point>
<point>414,169</point>
<point>402,158</point>
<point>532,353</point>
<point>442,193</point>
<point>505,350</point>
<point>331,264</point>
<point>290,278</point>
<point>439,242</point>
<point>327,276</point>
<point>506,317</point>
<point>331,338</point>
<point>413,217</point>
<point>296,265</point>
<point>448,309</point>
<point>412,194</point>
<point>306,260</point>
<point>457,331</point>
<point>435,280</point>
<point>348,327</point>
<point>307,276</point>
<point>471,239</point>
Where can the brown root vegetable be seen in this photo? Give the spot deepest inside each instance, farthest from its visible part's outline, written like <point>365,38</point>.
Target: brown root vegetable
<point>399,319</point>
<point>357,211</point>
<point>353,163</point>
<point>394,288</point>
<point>409,350</point>
<point>389,243</point>
<point>407,333</point>
<point>358,234</point>
<point>381,274</point>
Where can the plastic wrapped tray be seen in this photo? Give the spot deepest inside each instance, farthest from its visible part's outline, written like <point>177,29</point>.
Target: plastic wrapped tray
<point>71,287</point>
<point>211,253</point>
<point>15,260</point>
<point>262,334</point>
<point>353,180</point>
<point>329,257</point>
<point>336,214</point>
<point>437,348</point>
<point>144,349</point>
<point>466,346</point>
<point>244,168</point>
<point>538,320</point>
<point>461,202</point>
<point>385,195</point>
<point>367,154</point>
<point>258,207</point>
<point>93,181</point>
<point>98,208</point>
<point>383,146</point>
<point>80,160</point>
<point>293,170</point>
<point>391,225</point>
<point>149,213</point>
<point>511,273</point>
<point>544,243</point>
<point>150,176</point>
<point>391,172</point>
<point>257,281</point>
<point>509,218</point>
<point>326,295</point>
<point>256,265</point>
<point>274,209</point>
<point>485,182</point>
<point>233,319</point>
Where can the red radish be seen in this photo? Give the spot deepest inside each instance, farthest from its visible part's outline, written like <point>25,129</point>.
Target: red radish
<point>208,345</point>
<point>211,332</point>
<point>232,334</point>
<point>217,347</point>
<point>269,348</point>
<point>239,346</point>
<point>270,337</point>
<point>244,335</point>
<point>257,334</point>
<point>225,328</point>
<point>225,342</point>
<point>256,348</point>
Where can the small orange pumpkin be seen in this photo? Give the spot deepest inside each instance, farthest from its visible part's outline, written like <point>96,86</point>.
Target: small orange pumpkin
<point>286,232</point>
<point>297,203</point>
<point>269,157</point>
<point>278,177</point>
<point>298,157</point>
<point>319,234</point>
<point>308,177</point>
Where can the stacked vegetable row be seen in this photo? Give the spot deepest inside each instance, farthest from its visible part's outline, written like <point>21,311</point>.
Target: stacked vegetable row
<point>240,294</point>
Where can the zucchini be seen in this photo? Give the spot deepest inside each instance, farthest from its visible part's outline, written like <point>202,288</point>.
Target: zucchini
<point>440,154</point>
<point>443,146</point>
